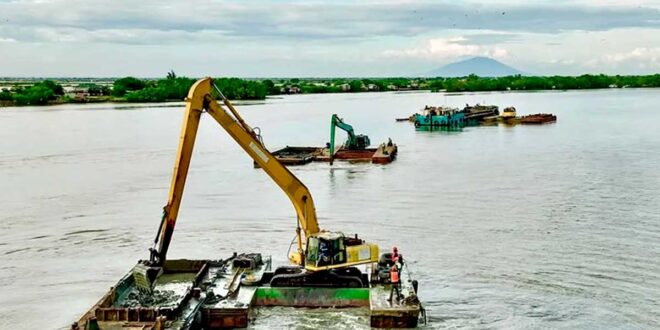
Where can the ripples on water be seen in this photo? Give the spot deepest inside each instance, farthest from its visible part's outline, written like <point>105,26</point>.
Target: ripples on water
<point>555,226</point>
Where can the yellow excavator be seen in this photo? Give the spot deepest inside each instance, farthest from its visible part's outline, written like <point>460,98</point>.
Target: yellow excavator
<point>322,258</point>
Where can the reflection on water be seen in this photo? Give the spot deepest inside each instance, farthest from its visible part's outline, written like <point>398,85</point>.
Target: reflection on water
<point>553,226</point>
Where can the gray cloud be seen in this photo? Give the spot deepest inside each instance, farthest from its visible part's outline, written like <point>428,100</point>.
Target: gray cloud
<point>256,38</point>
<point>490,38</point>
<point>134,22</point>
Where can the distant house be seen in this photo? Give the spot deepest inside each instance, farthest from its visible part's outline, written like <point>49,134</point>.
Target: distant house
<point>345,87</point>
<point>392,87</point>
<point>290,90</point>
<point>78,93</point>
<point>373,87</point>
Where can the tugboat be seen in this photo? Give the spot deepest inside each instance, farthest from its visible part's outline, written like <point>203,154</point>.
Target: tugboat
<point>508,114</point>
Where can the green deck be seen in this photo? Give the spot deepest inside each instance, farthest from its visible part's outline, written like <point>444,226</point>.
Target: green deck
<point>312,297</point>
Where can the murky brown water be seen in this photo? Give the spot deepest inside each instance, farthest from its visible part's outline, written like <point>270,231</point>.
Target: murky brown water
<point>555,226</point>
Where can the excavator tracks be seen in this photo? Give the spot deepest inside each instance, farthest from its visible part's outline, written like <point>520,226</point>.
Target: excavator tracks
<point>350,277</point>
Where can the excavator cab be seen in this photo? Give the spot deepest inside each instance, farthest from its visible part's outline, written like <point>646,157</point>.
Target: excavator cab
<point>325,252</point>
<point>331,250</point>
<point>361,142</point>
<point>328,260</point>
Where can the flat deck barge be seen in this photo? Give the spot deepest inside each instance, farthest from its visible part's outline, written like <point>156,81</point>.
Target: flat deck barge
<point>384,154</point>
<point>216,294</point>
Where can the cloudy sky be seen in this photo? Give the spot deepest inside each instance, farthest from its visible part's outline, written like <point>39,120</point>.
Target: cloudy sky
<point>335,38</point>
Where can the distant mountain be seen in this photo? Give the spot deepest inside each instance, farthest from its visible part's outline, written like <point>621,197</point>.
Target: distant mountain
<point>481,66</point>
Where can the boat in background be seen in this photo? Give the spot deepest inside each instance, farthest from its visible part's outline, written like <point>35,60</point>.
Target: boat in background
<point>440,116</point>
<point>508,114</point>
<point>539,118</point>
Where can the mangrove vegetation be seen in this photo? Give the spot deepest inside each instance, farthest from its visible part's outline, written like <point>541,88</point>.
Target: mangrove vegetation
<point>174,88</point>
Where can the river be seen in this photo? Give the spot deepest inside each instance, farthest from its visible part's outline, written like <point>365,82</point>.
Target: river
<point>553,226</point>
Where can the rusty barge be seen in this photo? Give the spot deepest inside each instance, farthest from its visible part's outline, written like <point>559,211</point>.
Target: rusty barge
<point>354,149</point>
<point>291,155</point>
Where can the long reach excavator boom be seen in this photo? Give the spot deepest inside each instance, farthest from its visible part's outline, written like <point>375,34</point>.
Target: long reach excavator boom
<point>322,257</point>
<point>200,100</point>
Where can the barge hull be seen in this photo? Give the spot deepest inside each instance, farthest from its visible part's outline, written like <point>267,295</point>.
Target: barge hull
<point>210,301</point>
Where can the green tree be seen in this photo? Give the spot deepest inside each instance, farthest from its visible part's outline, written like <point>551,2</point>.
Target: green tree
<point>356,86</point>
<point>125,85</point>
<point>270,87</point>
<point>35,95</point>
<point>96,90</point>
<point>5,95</point>
<point>163,90</point>
<point>53,86</point>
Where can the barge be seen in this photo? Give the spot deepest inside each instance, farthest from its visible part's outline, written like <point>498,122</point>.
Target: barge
<point>451,119</point>
<point>328,268</point>
<point>448,117</point>
<point>291,156</point>
<point>354,149</point>
<point>226,293</point>
<point>539,118</point>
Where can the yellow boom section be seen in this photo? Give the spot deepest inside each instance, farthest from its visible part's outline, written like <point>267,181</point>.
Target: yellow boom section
<point>200,100</point>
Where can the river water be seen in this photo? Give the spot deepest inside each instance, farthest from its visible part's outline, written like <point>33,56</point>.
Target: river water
<point>554,226</point>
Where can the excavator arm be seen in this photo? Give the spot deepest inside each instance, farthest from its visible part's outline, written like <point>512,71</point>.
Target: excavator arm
<point>335,121</point>
<point>200,100</point>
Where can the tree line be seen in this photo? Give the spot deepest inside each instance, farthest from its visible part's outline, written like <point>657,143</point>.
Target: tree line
<point>37,94</point>
<point>131,89</point>
<point>474,83</point>
<point>176,88</point>
<point>470,83</point>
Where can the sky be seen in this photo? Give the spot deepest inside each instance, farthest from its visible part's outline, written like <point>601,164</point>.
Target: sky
<point>147,38</point>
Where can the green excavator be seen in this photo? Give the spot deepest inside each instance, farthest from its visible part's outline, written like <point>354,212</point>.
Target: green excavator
<point>354,142</point>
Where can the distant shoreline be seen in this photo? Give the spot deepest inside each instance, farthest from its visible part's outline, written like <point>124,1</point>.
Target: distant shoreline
<point>23,92</point>
<point>171,103</point>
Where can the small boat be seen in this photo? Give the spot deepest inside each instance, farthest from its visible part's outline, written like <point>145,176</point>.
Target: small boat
<point>508,114</point>
<point>539,118</point>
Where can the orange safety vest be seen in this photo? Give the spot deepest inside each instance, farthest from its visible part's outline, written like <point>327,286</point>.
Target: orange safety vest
<point>394,274</point>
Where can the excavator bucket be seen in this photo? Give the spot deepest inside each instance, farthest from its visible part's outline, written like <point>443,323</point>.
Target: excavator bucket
<point>145,276</point>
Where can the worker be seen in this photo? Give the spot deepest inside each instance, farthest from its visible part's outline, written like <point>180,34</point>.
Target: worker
<point>395,254</point>
<point>396,283</point>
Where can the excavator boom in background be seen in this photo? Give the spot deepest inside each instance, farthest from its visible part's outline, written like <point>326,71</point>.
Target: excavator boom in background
<point>354,142</point>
